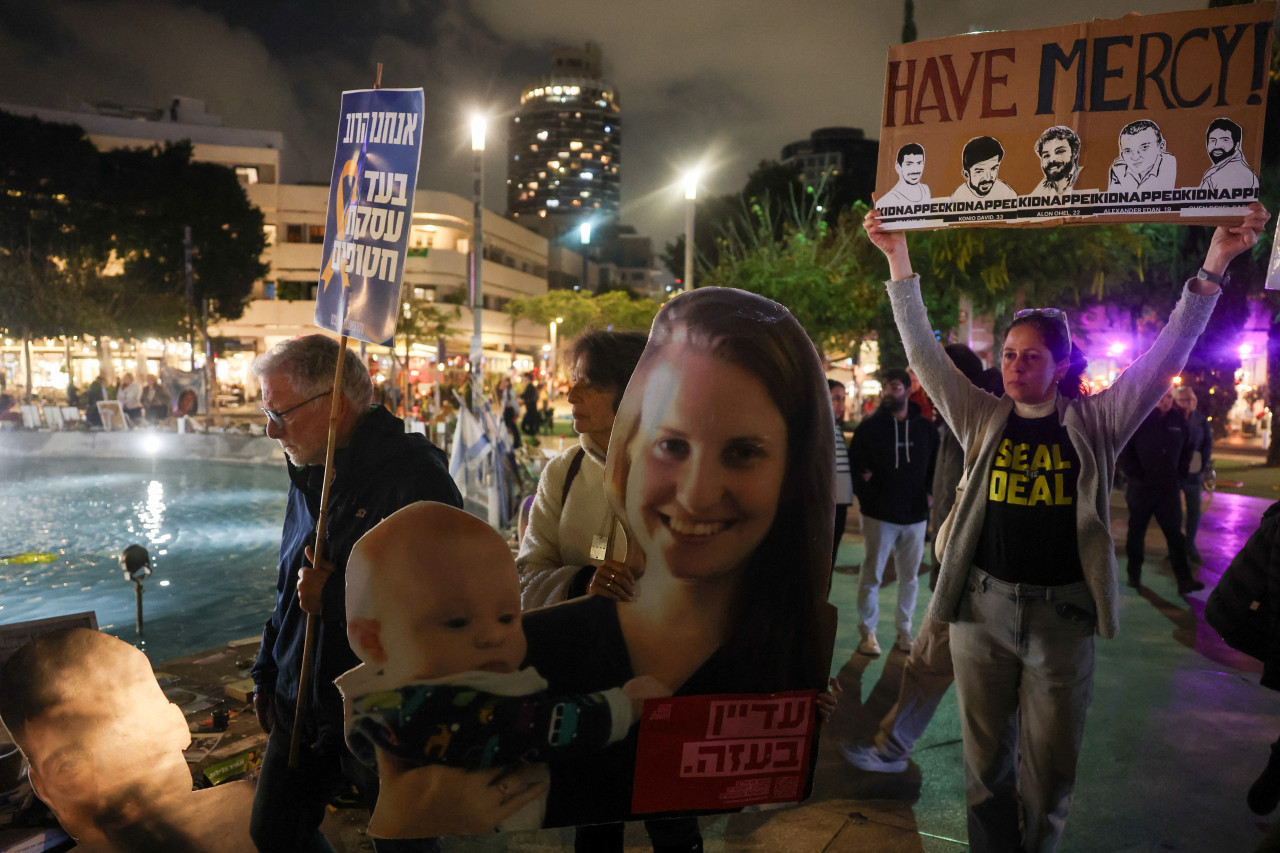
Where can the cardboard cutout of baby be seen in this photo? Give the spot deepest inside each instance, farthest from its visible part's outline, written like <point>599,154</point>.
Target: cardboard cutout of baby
<point>458,729</point>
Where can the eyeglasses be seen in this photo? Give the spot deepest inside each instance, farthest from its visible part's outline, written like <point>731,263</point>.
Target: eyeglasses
<point>277,418</point>
<point>1053,315</point>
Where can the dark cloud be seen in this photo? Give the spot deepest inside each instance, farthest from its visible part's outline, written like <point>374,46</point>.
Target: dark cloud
<point>724,83</point>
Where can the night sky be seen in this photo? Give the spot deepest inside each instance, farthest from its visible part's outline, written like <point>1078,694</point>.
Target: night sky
<point>722,83</point>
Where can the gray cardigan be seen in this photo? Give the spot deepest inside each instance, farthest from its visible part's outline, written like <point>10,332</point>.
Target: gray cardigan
<point>1099,425</point>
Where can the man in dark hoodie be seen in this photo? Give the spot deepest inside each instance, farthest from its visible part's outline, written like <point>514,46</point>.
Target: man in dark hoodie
<point>378,468</point>
<point>1155,461</point>
<point>892,457</point>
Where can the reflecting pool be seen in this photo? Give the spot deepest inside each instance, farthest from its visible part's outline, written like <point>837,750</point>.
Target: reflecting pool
<point>213,530</point>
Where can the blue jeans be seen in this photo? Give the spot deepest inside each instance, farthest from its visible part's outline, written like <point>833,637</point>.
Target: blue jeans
<point>1023,657</point>
<point>906,543</point>
<point>926,677</point>
<point>288,805</point>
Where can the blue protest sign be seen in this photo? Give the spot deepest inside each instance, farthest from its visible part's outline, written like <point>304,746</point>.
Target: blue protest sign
<point>370,212</point>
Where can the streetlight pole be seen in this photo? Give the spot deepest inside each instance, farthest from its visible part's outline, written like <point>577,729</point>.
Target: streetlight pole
<point>477,249</point>
<point>691,201</point>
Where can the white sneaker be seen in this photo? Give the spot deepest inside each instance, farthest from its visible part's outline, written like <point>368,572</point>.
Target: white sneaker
<point>869,646</point>
<point>866,757</point>
<point>903,643</point>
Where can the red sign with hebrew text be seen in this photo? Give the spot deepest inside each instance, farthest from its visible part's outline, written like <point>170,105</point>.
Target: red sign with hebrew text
<point>722,752</point>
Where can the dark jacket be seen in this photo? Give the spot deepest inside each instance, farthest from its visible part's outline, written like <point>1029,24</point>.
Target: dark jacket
<point>1245,605</point>
<point>1200,436</point>
<point>381,470</point>
<point>900,456</point>
<point>1157,456</point>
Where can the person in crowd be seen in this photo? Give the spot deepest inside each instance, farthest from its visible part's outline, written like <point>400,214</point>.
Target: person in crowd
<point>532,420</point>
<point>927,674</point>
<point>1200,462</point>
<point>720,466</point>
<point>916,394</point>
<point>844,480</point>
<point>73,393</point>
<point>377,468</point>
<point>129,394</point>
<point>1029,572</point>
<point>9,410</point>
<point>571,525</point>
<point>1155,463</point>
<point>156,400</point>
<point>94,394</point>
<point>105,750</point>
<point>892,458</point>
<point>509,405</point>
<point>433,611</point>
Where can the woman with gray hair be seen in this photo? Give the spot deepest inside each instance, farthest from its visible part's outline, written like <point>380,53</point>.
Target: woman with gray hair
<point>570,527</point>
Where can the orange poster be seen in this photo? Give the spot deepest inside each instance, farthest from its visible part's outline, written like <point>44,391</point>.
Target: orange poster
<point>1154,118</point>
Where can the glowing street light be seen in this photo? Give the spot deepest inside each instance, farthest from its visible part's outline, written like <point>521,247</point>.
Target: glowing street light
<point>691,202</point>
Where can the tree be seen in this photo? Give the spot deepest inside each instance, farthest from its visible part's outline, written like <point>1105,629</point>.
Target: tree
<point>93,214</point>
<point>821,273</point>
<point>579,311</point>
<point>421,321</point>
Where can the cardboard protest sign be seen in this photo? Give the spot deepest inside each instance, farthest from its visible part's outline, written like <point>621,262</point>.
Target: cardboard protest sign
<point>1155,118</point>
<point>370,212</point>
<point>723,752</point>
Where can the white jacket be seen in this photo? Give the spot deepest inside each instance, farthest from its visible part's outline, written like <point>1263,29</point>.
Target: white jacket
<point>557,543</point>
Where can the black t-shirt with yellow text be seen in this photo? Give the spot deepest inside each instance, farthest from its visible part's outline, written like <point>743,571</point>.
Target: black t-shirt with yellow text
<point>1029,534</point>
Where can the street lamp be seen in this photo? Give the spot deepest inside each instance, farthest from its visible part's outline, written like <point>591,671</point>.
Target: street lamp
<point>477,247</point>
<point>691,201</point>
<point>584,237</point>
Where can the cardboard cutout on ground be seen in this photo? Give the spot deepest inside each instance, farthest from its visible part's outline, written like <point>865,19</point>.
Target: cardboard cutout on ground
<point>106,749</point>
<point>1155,118</point>
<point>370,212</point>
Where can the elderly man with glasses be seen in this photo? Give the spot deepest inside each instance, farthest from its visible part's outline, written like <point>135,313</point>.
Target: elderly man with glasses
<point>377,469</point>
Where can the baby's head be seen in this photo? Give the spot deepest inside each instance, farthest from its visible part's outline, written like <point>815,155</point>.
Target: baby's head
<point>433,592</point>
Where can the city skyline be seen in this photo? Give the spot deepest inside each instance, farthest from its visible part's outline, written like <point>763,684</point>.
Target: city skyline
<point>718,85</point>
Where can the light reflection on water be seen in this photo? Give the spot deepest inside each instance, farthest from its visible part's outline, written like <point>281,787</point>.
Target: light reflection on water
<point>213,531</point>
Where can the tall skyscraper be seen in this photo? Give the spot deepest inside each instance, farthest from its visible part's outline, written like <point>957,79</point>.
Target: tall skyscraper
<point>563,148</point>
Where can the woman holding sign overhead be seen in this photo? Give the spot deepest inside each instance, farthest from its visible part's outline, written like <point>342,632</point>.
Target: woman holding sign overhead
<point>1029,573</point>
<point>720,466</point>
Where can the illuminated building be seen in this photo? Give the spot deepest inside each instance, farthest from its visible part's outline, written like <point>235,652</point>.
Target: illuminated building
<point>563,147</point>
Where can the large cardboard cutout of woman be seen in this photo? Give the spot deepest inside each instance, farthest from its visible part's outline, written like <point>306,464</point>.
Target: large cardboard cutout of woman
<point>720,467</point>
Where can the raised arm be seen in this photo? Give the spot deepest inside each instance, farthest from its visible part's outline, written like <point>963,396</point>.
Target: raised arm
<point>1227,243</point>
<point>953,394</point>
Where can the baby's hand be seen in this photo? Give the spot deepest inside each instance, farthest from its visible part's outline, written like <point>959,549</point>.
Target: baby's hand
<point>642,688</point>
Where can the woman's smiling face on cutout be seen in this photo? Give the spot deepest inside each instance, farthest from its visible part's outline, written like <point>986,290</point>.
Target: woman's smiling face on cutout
<point>707,466</point>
